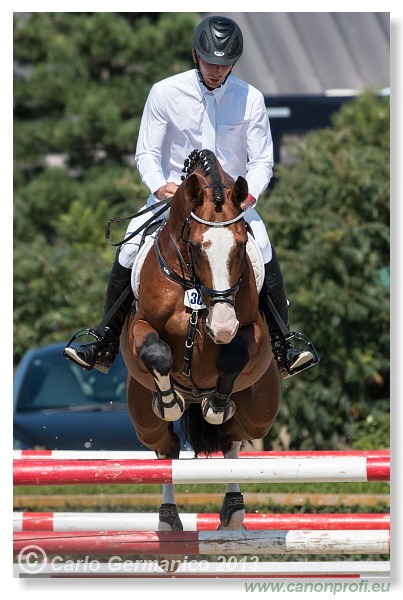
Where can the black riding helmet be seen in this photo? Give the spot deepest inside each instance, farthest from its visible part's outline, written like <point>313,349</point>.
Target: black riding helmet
<point>218,41</point>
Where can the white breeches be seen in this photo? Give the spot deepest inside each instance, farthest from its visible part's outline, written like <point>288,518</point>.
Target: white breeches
<point>129,250</point>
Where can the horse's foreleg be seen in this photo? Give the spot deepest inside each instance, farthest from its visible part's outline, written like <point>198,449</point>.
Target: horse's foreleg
<point>232,359</point>
<point>157,357</point>
<point>232,512</point>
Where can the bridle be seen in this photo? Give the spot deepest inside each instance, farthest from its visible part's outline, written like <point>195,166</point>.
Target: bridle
<point>193,281</point>
<point>215,295</point>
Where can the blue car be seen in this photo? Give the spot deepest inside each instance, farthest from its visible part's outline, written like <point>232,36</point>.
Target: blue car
<point>60,406</point>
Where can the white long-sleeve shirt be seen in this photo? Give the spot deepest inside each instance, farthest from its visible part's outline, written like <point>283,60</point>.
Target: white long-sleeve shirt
<point>171,127</point>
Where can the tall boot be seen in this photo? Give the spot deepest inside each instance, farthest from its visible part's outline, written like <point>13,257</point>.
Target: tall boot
<point>287,356</point>
<point>103,352</point>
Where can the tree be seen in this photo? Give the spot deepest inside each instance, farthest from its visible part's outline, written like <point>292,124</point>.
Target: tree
<point>80,85</point>
<point>329,216</point>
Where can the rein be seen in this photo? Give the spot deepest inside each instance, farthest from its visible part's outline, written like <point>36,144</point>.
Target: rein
<point>165,204</point>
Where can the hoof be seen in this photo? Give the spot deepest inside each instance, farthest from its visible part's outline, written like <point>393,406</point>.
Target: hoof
<point>217,415</point>
<point>169,520</point>
<point>235,524</point>
<point>232,512</point>
<point>169,411</point>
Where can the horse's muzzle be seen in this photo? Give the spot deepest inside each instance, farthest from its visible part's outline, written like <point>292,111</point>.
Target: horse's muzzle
<point>222,324</point>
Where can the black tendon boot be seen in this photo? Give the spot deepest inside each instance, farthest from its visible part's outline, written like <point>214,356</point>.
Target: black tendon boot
<point>103,352</point>
<point>289,359</point>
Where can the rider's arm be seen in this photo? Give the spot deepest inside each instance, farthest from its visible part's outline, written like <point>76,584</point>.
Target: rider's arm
<point>150,142</point>
<point>260,149</point>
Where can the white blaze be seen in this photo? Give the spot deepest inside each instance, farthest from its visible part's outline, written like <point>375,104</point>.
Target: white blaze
<point>222,321</point>
<point>217,244</point>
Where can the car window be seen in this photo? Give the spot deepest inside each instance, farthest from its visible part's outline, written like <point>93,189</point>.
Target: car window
<point>53,382</point>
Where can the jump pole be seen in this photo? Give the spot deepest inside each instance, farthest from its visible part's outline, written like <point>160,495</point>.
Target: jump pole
<point>242,470</point>
<point>92,521</point>
<point>206,542</point>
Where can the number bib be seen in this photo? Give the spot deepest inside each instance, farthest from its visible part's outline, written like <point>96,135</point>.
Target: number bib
<point>193,300</point>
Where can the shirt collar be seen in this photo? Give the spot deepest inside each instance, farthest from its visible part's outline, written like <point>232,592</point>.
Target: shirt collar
<point>217,93</point>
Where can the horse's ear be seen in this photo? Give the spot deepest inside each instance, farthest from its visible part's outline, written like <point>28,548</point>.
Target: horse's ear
<point>193,190</point>
<point>240,193</point>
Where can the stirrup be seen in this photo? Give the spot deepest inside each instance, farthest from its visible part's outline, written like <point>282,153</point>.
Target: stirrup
<point>81,333</point>
<point>285,370</point>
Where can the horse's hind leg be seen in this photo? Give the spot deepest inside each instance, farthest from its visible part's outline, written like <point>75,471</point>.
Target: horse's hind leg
<point>232,512</point>
<point>169,519</point>
<point>256,411</point>
<point>158,435</point>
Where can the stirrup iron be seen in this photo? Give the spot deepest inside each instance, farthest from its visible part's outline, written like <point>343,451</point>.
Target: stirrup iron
<point>305,340</point>
<point>81,333</point>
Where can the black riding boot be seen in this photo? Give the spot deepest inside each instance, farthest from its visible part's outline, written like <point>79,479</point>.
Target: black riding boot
<point>103,352</point>
<point>287,356</point>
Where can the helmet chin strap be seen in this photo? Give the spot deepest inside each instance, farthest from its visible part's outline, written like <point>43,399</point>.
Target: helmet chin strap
<point>201,76</point>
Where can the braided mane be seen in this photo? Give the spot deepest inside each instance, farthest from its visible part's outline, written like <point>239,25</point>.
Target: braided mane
<point>206,161</point>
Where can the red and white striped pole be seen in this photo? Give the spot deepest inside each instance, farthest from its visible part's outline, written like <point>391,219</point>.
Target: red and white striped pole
<point>242,470</point>
<point>92,521</point>
<point>205,542</point>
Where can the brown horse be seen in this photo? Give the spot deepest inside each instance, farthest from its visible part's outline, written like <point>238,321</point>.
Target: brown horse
<point>210,365</point>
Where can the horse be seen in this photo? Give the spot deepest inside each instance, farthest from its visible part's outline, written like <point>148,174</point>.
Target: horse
<point>210,363</point>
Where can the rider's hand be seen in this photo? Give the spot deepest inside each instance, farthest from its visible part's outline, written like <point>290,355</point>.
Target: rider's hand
<point>252,202</point>
<point>166,191</point>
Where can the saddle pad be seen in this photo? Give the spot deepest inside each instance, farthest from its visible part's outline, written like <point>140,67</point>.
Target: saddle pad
<point>256,259</point>
<point>138,263</point>
<point>252,249</point>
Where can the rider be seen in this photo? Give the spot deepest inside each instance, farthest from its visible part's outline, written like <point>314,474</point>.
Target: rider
<point>172,126</point>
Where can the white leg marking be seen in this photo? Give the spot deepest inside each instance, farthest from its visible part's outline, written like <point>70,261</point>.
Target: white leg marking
<point>233,452</point>
<point>168,493</point>
<point>164,383</point>
<point>172,413</point>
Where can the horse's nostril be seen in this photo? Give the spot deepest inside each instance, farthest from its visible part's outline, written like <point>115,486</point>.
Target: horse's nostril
<point>215,339</point>
<point>209,331</point>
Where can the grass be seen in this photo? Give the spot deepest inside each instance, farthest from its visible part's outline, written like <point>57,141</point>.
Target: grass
<point>371,487</point>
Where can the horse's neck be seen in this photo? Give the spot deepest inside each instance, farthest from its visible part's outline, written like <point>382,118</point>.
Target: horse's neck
<point>247,298</point>
<point>171,243</point>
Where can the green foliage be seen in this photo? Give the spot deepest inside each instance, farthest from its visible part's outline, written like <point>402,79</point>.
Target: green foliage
<point>329,217</point>
<point>79,90</point>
